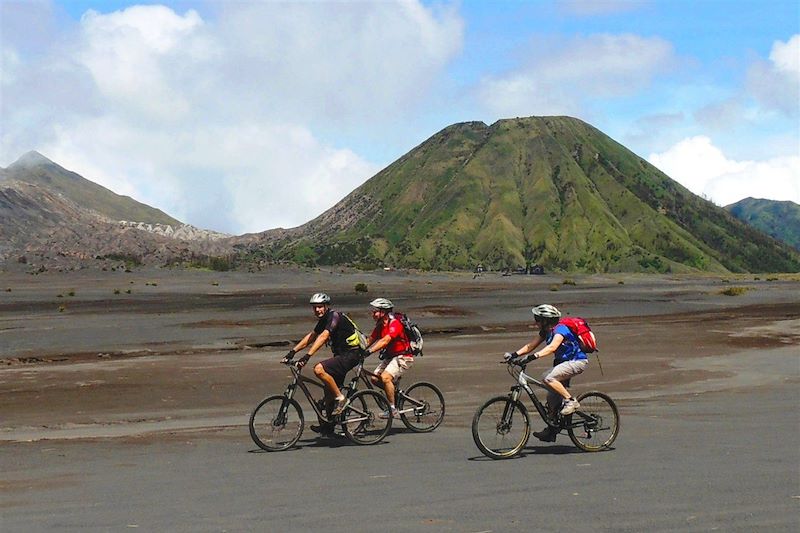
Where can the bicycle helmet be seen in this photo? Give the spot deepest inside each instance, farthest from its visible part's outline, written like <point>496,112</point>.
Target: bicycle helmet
<point>546,311</point>
<point>320,298</point>
<point>382,303</point>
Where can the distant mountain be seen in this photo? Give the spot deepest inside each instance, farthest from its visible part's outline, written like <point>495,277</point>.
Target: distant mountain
<point>780,220</point>
<point>36,169</point>
<point>553,191</point>
<point>53,218</point>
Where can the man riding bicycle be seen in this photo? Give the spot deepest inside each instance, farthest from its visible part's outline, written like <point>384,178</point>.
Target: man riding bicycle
<point>336,329</point>
<point>569,360</point>
<point>390,339</point>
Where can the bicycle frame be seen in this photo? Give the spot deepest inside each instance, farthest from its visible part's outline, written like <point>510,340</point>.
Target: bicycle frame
<point>365,376</point>
<point>524,382</point>
<point>303,382</point>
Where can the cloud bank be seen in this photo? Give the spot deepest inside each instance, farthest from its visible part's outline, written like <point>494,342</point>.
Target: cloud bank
<point>218,122</point>
<point>704,169</point>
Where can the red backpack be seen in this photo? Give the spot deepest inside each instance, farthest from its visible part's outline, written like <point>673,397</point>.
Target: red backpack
<point>580,328</point>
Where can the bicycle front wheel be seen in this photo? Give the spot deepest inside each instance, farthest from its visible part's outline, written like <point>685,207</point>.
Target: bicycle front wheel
<point>501,427</point>
<point>595,425</point>
<point>362,421</point>
<point>422,407</point>
<point>276,423</point>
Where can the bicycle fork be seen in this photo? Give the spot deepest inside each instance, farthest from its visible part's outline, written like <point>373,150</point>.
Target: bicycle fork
<point>504,426</point>
<point>280,418</point>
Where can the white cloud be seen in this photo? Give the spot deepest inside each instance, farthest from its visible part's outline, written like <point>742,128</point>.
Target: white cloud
<point>560,80</point>
<point>220,122</point>
<point>786,56</point>
<point>704,169</point>
<point>776,84</point>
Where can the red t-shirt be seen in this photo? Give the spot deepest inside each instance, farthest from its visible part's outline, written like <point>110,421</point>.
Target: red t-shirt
<point>399,344</point>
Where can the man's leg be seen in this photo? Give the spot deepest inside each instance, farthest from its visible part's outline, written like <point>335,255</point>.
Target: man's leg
<point>330,384</point>
<point>393,371</point>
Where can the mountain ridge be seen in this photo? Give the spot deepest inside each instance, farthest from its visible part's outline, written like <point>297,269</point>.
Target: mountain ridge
<point>548,190</point>
<point>32,167</point>
<point>778,219</point>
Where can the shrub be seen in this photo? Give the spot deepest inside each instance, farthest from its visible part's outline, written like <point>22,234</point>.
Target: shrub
<point>554,288</point>
<point>71,293</point>
<point>8,289</point>
<point>128,291</point>
<point>116,291</point>
<point>568,282</point>
<point>620,282</point>
<point>61,308</point>
<point>734,291</point>
<point>361,287</point>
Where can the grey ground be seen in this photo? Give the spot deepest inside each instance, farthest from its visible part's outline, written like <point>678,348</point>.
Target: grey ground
<point>109,436</point>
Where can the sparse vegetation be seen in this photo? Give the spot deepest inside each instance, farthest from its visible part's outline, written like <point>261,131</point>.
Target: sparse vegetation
<point>8,289</point>
<point>62,308</point>
<point>215,283</point>
<point>361,287</point>
<point>116,291</point>
<point>554,288</point>
<point>620,282</point>
<point>734,291</point>
<point>568,282</point>
<point>128,291</point>
<point>71,292</point>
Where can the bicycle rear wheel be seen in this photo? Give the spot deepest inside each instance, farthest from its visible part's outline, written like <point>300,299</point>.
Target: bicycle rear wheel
<point>276,423</point>
<point>361,419</point>
<point>595,425</point>
<point>422,407</point>
<point>501,427</point>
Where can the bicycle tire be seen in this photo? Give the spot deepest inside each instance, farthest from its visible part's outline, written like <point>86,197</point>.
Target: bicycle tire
<point>493,436</point>
<point>600,422</point>
<point>361,420</point>
<point>270,432</point>
<point>429,415</point>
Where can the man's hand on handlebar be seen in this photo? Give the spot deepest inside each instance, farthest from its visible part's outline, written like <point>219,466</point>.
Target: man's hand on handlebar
<point>302,361</point>
<point>288,358</point>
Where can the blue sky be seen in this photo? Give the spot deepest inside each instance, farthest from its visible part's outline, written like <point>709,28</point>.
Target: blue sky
<point>244,116</point>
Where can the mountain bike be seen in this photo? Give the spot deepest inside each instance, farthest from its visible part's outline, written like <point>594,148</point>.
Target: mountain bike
<point>277,422</point>
<point>501,426</point>
<point>421,406</point>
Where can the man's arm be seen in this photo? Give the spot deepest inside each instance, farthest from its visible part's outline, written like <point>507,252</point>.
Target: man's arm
<point>319,342</point>
<point>380,344</point>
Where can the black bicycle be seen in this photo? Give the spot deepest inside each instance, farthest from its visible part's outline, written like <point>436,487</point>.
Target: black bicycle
<point>421,406</point>
<point>501,426</point>
<point>277,422</point>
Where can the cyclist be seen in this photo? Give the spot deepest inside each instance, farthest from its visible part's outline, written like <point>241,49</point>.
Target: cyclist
<point>390,339</point>
<point>569,361</point>
<point>336,329</point>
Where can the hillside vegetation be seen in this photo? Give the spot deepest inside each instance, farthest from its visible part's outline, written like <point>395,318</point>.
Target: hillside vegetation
<point>780,220</point>
<point>541,190</point>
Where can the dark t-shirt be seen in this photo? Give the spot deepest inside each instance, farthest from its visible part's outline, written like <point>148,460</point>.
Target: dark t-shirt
<point>340,330</point>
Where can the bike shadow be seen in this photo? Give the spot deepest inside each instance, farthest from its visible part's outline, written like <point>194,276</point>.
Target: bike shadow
<point>543,449</point>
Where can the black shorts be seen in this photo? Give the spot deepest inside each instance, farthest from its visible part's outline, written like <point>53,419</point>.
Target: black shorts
<point>339,365</point>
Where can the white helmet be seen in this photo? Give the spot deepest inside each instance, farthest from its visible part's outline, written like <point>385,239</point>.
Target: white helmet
<point>382,303</point>
<point>320,298</point>
<point>546,311</point>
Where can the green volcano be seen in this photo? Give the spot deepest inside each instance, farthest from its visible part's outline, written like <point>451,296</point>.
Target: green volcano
<point>552,191</point>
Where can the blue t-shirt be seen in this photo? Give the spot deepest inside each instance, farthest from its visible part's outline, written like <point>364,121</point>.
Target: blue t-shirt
<point>569,350</point>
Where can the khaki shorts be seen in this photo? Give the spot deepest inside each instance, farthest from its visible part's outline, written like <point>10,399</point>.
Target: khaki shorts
<point>395,366</point>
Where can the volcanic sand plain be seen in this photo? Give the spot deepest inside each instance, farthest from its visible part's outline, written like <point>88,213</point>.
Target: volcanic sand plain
<point>138,360</point>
